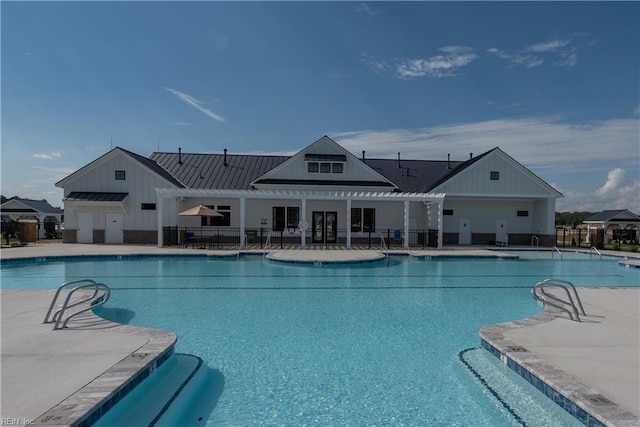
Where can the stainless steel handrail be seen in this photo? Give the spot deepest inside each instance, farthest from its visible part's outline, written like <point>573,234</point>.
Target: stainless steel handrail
<point>47,318</point>
<point>555,248</point>
<point>594,249</point>
<point>576,306</point>
<point>97,302</point>
<point>534,237</point>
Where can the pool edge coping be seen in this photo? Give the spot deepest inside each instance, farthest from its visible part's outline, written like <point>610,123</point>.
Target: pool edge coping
<point>88,404</point>
<point>560,387</point>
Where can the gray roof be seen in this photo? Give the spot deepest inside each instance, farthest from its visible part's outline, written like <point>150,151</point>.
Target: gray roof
<point>620,215</point>
<point>95,196</point>
<point>39,206</point>
<point>207,171</point>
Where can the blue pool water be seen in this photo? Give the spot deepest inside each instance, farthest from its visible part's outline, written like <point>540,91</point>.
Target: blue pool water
<point>361,344</point>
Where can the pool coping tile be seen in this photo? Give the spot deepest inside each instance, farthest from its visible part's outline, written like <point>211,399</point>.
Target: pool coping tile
<point>87,405</point>
<point>560,387</point>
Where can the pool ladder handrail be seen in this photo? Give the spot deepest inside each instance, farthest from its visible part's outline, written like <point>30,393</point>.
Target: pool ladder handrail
<point>594,249</point>
<point>383,244</point>
<point>573,304</point>
<point>101,294</point>
<point>555,249</point>
<point>267,243</point>
<point>537,240</point>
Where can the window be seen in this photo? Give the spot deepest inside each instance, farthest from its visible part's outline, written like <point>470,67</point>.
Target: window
<point>523,213</point>
<point>325,167</point>
<point>120,175</point>
<point>447,212</point>
<point>288,218</point>
<point>218,221</point>
<point>293,216</point>
<point>148,206</point>
<point>495,175</point>
<point>363,219</point>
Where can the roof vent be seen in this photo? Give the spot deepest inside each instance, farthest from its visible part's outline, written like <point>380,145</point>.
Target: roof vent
<point>470,156</point>
<point>225,157</point>
<point>448,161</point>
<point>363,155</point>
<point>180,155</point>
<point>398,159</point>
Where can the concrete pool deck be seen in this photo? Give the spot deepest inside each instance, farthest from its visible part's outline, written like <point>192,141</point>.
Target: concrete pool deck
<point>599,357</point>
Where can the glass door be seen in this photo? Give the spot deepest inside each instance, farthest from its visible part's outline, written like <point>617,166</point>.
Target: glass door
<point>331,229</point>
<point>317,227</point>
<point>325,227</point>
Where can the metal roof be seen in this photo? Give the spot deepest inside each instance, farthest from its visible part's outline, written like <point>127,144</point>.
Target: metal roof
<point>94,196</point>
<point>39,206</point>
<point>621,215</point>
<point>210,171</point>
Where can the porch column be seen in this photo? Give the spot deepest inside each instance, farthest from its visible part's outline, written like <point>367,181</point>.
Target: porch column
<point>242,220</point>
<point>41,226</point>
<point>348,223</point>
<point>440,207</point>
<point>159,209</point>
<point>406,224</point>
<point>303,222</point>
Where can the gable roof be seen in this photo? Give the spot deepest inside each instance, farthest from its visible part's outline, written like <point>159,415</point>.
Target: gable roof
<point>35,206</point>
<point>209,171</point>
<point>325,149</point>
<point>619,216</point>
<point>463,166</point>
<point>414,176</point>
<point>144,161</point>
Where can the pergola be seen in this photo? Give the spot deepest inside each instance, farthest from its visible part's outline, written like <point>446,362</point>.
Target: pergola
<point>618,219</point>
<point>27,209</point>
<point>303,196</point>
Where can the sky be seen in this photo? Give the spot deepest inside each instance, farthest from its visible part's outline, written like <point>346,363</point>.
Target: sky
<point>554,84</point>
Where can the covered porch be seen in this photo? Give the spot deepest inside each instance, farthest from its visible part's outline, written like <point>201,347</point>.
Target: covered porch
<point>312,217</point>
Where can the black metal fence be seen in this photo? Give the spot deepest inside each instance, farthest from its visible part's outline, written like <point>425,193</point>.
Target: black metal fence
<point>259,238</point>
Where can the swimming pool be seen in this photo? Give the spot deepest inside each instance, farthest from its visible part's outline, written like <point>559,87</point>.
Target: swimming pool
<point>359,344</point>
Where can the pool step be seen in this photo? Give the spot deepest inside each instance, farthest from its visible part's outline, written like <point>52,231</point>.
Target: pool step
<point>158,400</point>
<point>519,400</point>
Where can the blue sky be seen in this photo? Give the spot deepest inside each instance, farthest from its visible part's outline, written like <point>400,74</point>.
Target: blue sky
<point>555,85</point>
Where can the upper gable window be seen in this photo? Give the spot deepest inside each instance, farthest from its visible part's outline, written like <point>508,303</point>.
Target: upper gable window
<point>495,175</point>
<point>325,163</point>
<point>121,175</point>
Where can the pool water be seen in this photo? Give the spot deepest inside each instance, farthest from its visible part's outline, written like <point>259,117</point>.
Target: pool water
<point>359,344</point>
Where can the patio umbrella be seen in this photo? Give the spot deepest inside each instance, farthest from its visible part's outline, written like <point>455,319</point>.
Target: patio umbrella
<point>201,210</point>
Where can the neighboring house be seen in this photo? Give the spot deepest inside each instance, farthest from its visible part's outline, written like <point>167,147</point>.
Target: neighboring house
<point>49,218</point>
<point>616,220</point>
<point>321,195</point>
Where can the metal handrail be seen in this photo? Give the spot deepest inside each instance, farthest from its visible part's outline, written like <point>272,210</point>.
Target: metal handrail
<point>267,243</point>
<point>534,237</point>
<point>94,304</point>
<point>555,248</point>
<point>244,241</point>
<point>47,318</point>
<point>383,244</point>
<point>576,306</point>
<point>593,248</point>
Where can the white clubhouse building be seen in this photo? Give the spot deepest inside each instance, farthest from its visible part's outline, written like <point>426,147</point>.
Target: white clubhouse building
<point>321,195</point>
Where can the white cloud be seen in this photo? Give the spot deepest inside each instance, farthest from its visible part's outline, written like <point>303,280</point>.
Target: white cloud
<point>366,9</point>
<point>530,140</point>
<point>196,104</point>
<point>618,192</point>
<point>50,156</point>
<point>447,65</point>
<point>546,145</point>
<point>562,53</point>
